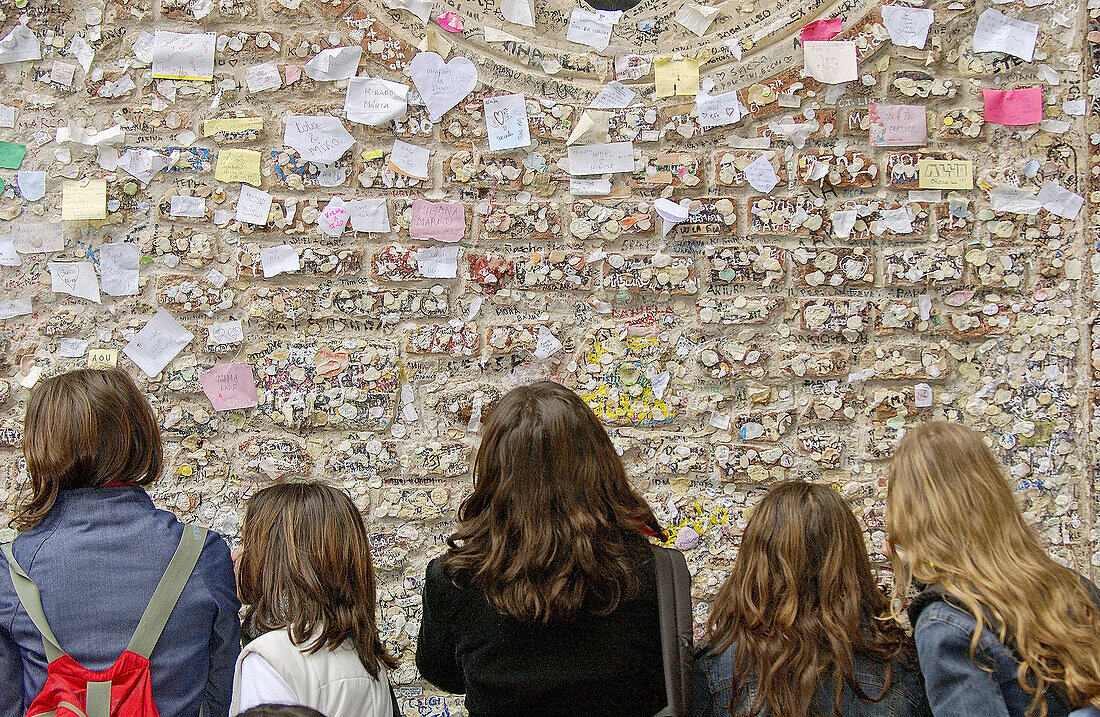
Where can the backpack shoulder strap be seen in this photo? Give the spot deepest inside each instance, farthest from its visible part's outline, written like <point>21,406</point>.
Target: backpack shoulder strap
<point>29,598</point>
<point>674,610</point>
<point>168,591</point>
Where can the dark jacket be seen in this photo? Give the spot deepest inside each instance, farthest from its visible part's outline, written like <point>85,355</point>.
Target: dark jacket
<point>609,665</point>
<point>713,689</point>
<point>955,684</point>
<point>96,558</point>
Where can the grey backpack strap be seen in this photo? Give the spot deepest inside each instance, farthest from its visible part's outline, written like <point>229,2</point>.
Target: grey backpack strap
<point>29,598</point>
<point>674,610</point>
<point>168,591</point>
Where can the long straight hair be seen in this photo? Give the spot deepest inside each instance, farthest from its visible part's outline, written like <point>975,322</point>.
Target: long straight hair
<point>305,566</point>
<point>547,530</point>
<point>949,508</point>
<point>800,604</point>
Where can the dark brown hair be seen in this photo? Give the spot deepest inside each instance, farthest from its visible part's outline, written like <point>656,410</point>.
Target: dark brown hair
<point>800,604</point>
<point>305,566</point>
<point>85,429</point>
<point>549,526</point>
<point>282,711</point>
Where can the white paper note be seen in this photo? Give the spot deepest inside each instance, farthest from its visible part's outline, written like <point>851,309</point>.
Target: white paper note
<point>614,95</point>
<point>280,259</point>
<point>410,160</point>
<point>76,278</point>
<point>144,163</point>
<point>32,184</point>
<point>696,17</point>
<point>908,26</point>
<point>718,110</point>
<point>588,28</point>
<point>10,308</point>
<point>506,121</point>
<point>72,348</point>
<point>38,237</point>
<point>546,344</point>
<point>158,342</point>
<point>118,268</point>
<point>226,332</point>
<point>317,138</point>
<point>442,85</point>
<point>922,395</point>
<point>830,62</point>
<point>761,175</point>
<point>7,116</point>
<point>671,213</point>
<point>1058,200</point>
<point>373,101</point>
<point>190,207</point>
<point>8,255</point>
<point>334,63</point>
<point>369,215</point>
<point>589,186</point>
<point>253,206</point>
<point>420,8</point>
<point>437,262</point>
<point>82,51</point>
<point>601,158</point>
<point>19,45</point>
<point>183,56</point>
<point>62,73</point>
<point>334,217</point>
<point>260,78</point>
<point>521,12</point>
<point>997,32</point>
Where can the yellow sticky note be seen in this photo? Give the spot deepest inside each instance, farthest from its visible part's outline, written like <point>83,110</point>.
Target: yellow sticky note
<point>945,173</point>
<point>102,358</point>
<point>373,154</point>
<point>676,77</point>
<point>238,165</point>
<point>84,201</point>
<point>242,124</point>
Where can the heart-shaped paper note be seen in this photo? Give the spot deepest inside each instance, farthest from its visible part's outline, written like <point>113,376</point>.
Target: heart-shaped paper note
<point>442,86</point>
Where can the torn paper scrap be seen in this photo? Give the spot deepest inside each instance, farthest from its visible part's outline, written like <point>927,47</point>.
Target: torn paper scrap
<point>280,259</point>
<point>334,63</point>
<point>76,278</point>
<point>183,56</point>
<point>20,45</point>
<point>118,269</point>
<point>997,32</point>
<point>1060,201</point>
<point>696,17</point>
<point>369,215</point>
<point>317,138</point>
<point>158,342</point>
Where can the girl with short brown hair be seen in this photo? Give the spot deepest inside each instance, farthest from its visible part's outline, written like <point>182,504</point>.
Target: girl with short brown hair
<point>306,579</point>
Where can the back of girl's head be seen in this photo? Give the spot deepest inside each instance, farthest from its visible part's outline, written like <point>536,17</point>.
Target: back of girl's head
<point>800,601</point>
<point>305,566</point>
<point>86,429</point>
<point>282,711</point>
<point>552,512</point>
<point>951,512</point>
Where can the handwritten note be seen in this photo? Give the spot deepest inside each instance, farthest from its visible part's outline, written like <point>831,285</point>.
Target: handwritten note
<point>369,215</point>
<point>32,184</point>
<point>409,159</point>
<point>437,262</point>
<point>263,77</point>
<point>253,206</point>
<point>76,278</point>
<point>188,207</point>
<point>830,62</point>
<point>183,56</point>
<point>445,221</point>
<point>676,76</point>
<point>821,29</point>
<point>1060,201</point>
<point>334,63</point>
<point>241,124</point>
<point>334,217</point>
<point>945,173</point>
<point>8,255</point>
<point>230,386</point>
<point>614,95</point>
<point>373,101</point>
<point>226,332</point>
<point>718,110</point>
<point>506,121</point>
<point>997,32</point>
<point>589,28</point>
<point>280,259</point>
<point>696,17</point>
<point>1014,107</point>
<point>761,175</point>
<point>601,158</point>
<point>103,358</point>
<point>320,138</point>
<point>72,348</point>
<point>81,201</point>
<point>10,308</point>
<point>118,267</point>
<point>908,26</point>
<point>238,165</point>
<point>11,155</point>
<point>898,125</point>
<point>442,85</point>
<point>158,342</point>
<point>38,237</point>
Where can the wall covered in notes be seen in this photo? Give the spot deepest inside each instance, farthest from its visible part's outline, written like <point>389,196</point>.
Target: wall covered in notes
<point>760,237</point>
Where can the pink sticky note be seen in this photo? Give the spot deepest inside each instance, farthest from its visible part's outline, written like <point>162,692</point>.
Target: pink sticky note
<point>821,29</point>
<point>445,221</point>
<point>450,22</point>
<point>1014,107</point>
<point>229,386</point>
<point>293,74</point>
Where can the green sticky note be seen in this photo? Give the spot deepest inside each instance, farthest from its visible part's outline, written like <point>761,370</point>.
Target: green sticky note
<point>11,155</point>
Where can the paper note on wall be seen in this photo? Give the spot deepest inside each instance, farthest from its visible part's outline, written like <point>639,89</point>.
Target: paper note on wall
<point>158,342</point>
<point>81,201</point>
<point>1014,107</point>
<point>238,165</point>
<point>945,173</point>
<point>230,386</point>
<point>373,101</point>
<point>445,221</point>
<point>409,159</point>
<point>253,206</point>
<point>676,76</point>
<point>506,121</point>
<point>601,158</point>
<point>242,124</point>
<point>76,278</point>
<point>103,358</point>
<point>11,155</point>
<point>897,125</point>
<point>317,138</point>
<point>38,237</point>
<point>369,215</point>
<point>280,259</point>
<point>437,262</point>
<point>908,26</point>
<point>118,267</point>
<point>997,32</point>
<point>442,85</point>
<point>831,62</point>
<point>183,56</point>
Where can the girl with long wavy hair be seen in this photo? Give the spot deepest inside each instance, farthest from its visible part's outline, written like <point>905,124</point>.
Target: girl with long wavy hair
<point>305,575</point>
<point>1001,628</point>
<point>799,627</point>
<point>545,602</point>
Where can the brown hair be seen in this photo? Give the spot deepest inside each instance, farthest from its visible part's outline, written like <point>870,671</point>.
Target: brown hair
<point>801,603</point>
<point>85,429</point>
<point>282,711</point>
<point>305,566</point>
<point>951,511</point>
<point>549,526</point>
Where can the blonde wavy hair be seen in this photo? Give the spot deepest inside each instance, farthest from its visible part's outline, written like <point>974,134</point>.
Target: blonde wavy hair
<point>952,513</point>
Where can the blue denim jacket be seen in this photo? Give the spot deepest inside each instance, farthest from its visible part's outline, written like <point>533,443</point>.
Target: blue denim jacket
<point>96,557</point>
<point>957,686</point>
<point>713,691</point>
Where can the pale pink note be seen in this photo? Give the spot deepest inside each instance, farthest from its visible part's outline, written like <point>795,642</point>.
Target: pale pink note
<point>897,125</point>
<point>821,29</point>
<point>445,221</point>
<point>230,386</point>
<point>1014,107</point>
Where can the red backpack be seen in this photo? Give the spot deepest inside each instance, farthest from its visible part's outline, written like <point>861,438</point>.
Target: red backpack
<point>124,689</point>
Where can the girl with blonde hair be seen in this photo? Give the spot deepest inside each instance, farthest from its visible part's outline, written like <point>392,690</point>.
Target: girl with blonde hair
<point>1000,627</point>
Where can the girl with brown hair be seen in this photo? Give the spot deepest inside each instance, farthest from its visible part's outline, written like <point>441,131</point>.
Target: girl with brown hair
<point>305,576</point>
<point>1001,628</point>
<point>545,602</point>
<point>799,627</point>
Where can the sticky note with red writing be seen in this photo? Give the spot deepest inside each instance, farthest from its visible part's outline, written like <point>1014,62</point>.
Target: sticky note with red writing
<point>1014,107</point>
<point>230,386</point>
